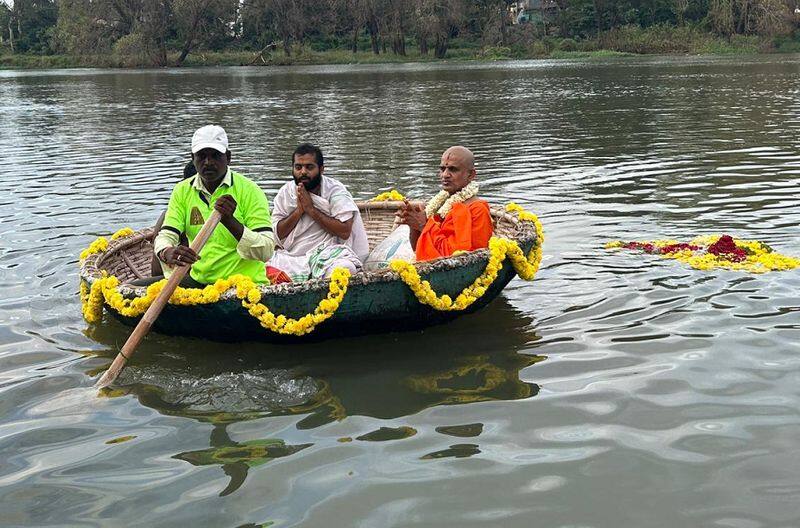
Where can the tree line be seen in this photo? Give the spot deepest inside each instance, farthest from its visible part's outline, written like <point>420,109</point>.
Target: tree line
<point>165,32</point>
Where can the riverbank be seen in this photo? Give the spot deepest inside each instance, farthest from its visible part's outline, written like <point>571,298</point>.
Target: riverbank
<point>304,57</point>
<point>625,41</point>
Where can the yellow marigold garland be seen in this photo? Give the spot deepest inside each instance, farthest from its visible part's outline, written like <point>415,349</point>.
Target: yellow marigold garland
<point>392,195</point>
<point>251,297</point>
<point>98,246</point>
<point>105,288</point>
<point>499,248</point>
<point>759,258</point>
<point>122,233</point>
<point>101,244</point>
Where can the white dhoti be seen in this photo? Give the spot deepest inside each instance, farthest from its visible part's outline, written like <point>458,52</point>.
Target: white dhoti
<point>317,263</point>
<point>310,252</point>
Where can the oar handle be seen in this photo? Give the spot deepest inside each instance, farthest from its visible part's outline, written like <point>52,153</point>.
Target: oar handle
<point>157,306</point>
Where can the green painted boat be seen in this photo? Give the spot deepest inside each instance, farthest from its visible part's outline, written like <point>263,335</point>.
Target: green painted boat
<point>376,301</point>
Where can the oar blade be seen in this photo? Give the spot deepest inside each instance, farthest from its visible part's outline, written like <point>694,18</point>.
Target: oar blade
<point>113,372</point>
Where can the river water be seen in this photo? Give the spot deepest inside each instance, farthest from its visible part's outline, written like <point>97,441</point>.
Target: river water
<point>616,390</point>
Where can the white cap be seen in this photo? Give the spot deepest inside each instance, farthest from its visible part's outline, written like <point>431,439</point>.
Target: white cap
<point>210,136</point>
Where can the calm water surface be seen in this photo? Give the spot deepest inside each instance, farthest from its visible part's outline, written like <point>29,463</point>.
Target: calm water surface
<point>615,390</point>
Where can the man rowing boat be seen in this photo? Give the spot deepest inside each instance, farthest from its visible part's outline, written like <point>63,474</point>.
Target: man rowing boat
<point>246,241</point>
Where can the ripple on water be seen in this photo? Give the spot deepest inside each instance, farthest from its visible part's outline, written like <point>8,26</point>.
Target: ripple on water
<point>615,390</point>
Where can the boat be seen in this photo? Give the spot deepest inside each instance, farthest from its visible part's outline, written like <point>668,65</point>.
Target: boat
<point>374,301</point>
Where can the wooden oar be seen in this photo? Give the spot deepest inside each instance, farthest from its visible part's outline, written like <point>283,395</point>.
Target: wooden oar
<point>154,310</point>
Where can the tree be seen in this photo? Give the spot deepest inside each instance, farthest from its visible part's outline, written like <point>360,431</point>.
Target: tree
<point>679,7</point>
<point>283,20</point>
<point>490,19</point>
<point>199,22</point>
<point>397,15</point>
<point>439,20</point>
<point>29,24</point>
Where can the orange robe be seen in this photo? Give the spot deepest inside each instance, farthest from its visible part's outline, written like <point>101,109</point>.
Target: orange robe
<point>466,227</point>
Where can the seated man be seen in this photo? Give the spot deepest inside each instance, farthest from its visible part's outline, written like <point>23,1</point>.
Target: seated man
<point>241,243</point>
<point>317,223</point>
<point>455,219</point>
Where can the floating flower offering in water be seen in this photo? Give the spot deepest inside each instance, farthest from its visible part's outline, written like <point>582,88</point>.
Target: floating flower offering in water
<point>716,252</point>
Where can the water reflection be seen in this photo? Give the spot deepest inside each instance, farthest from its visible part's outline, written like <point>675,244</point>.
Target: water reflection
<point>633,149</point>
<point>237,458</point>
<point>378,377</point>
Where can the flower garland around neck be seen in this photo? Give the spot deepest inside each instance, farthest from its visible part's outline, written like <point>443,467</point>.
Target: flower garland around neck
<point>716,252</point>
<point>499,248</point>
<point>444,201</point>
<point>105,291</point>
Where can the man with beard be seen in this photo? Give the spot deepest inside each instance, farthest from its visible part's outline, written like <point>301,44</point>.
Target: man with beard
<point>317,223</point>
<point>241,243</point>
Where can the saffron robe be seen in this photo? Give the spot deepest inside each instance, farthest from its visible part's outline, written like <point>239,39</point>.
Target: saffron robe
<point>465,228</point>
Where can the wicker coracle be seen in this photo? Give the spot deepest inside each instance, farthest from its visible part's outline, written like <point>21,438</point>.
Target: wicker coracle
<point>376,301</point>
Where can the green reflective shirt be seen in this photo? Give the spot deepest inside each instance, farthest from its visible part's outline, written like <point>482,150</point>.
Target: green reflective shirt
<point>190,206</point>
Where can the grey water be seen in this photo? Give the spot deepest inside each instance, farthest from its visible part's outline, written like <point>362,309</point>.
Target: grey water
<point>615,390</point>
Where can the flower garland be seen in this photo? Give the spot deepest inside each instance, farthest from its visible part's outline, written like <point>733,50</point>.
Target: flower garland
<point>101,244</point>
<point>444,201</point>
<point>251,297</point>
<point>499,249</point>
<point>393,196</point>
<point>104,290</point>
<point>716,252</point>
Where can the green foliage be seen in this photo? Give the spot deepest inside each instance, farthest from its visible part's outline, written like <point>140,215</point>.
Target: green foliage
<point>131,51</point>
<point>170,32</point>
<point>599,54</point>
<point>31,22</point>
<point>493,53</point>
<point>540,49</point>
<point>568,44</point>
<point>737,45</point>
<point>787,43</point>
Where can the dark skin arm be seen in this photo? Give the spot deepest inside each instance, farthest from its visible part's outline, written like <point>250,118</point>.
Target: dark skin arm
<point>226,206</point>
<point>414,217</point>
<point>305,205</point>
<point>184,255</point>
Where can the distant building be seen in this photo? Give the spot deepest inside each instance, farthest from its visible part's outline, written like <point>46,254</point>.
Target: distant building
<point>534,11</point>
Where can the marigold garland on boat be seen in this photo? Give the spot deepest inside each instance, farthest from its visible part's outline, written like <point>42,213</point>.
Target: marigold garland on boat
<point>101,244</point>
<point>251,297</point>
<point>122,233</point>
<point>105,289</point>
<point>387,196</point>
<point>499,248</point>
<point>716,252</point>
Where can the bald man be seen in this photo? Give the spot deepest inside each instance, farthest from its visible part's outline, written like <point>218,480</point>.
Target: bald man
<point>455,219</point>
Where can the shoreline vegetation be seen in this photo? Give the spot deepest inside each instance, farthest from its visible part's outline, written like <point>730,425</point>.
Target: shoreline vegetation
<point>36,34</point>
<point>624,42</point>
